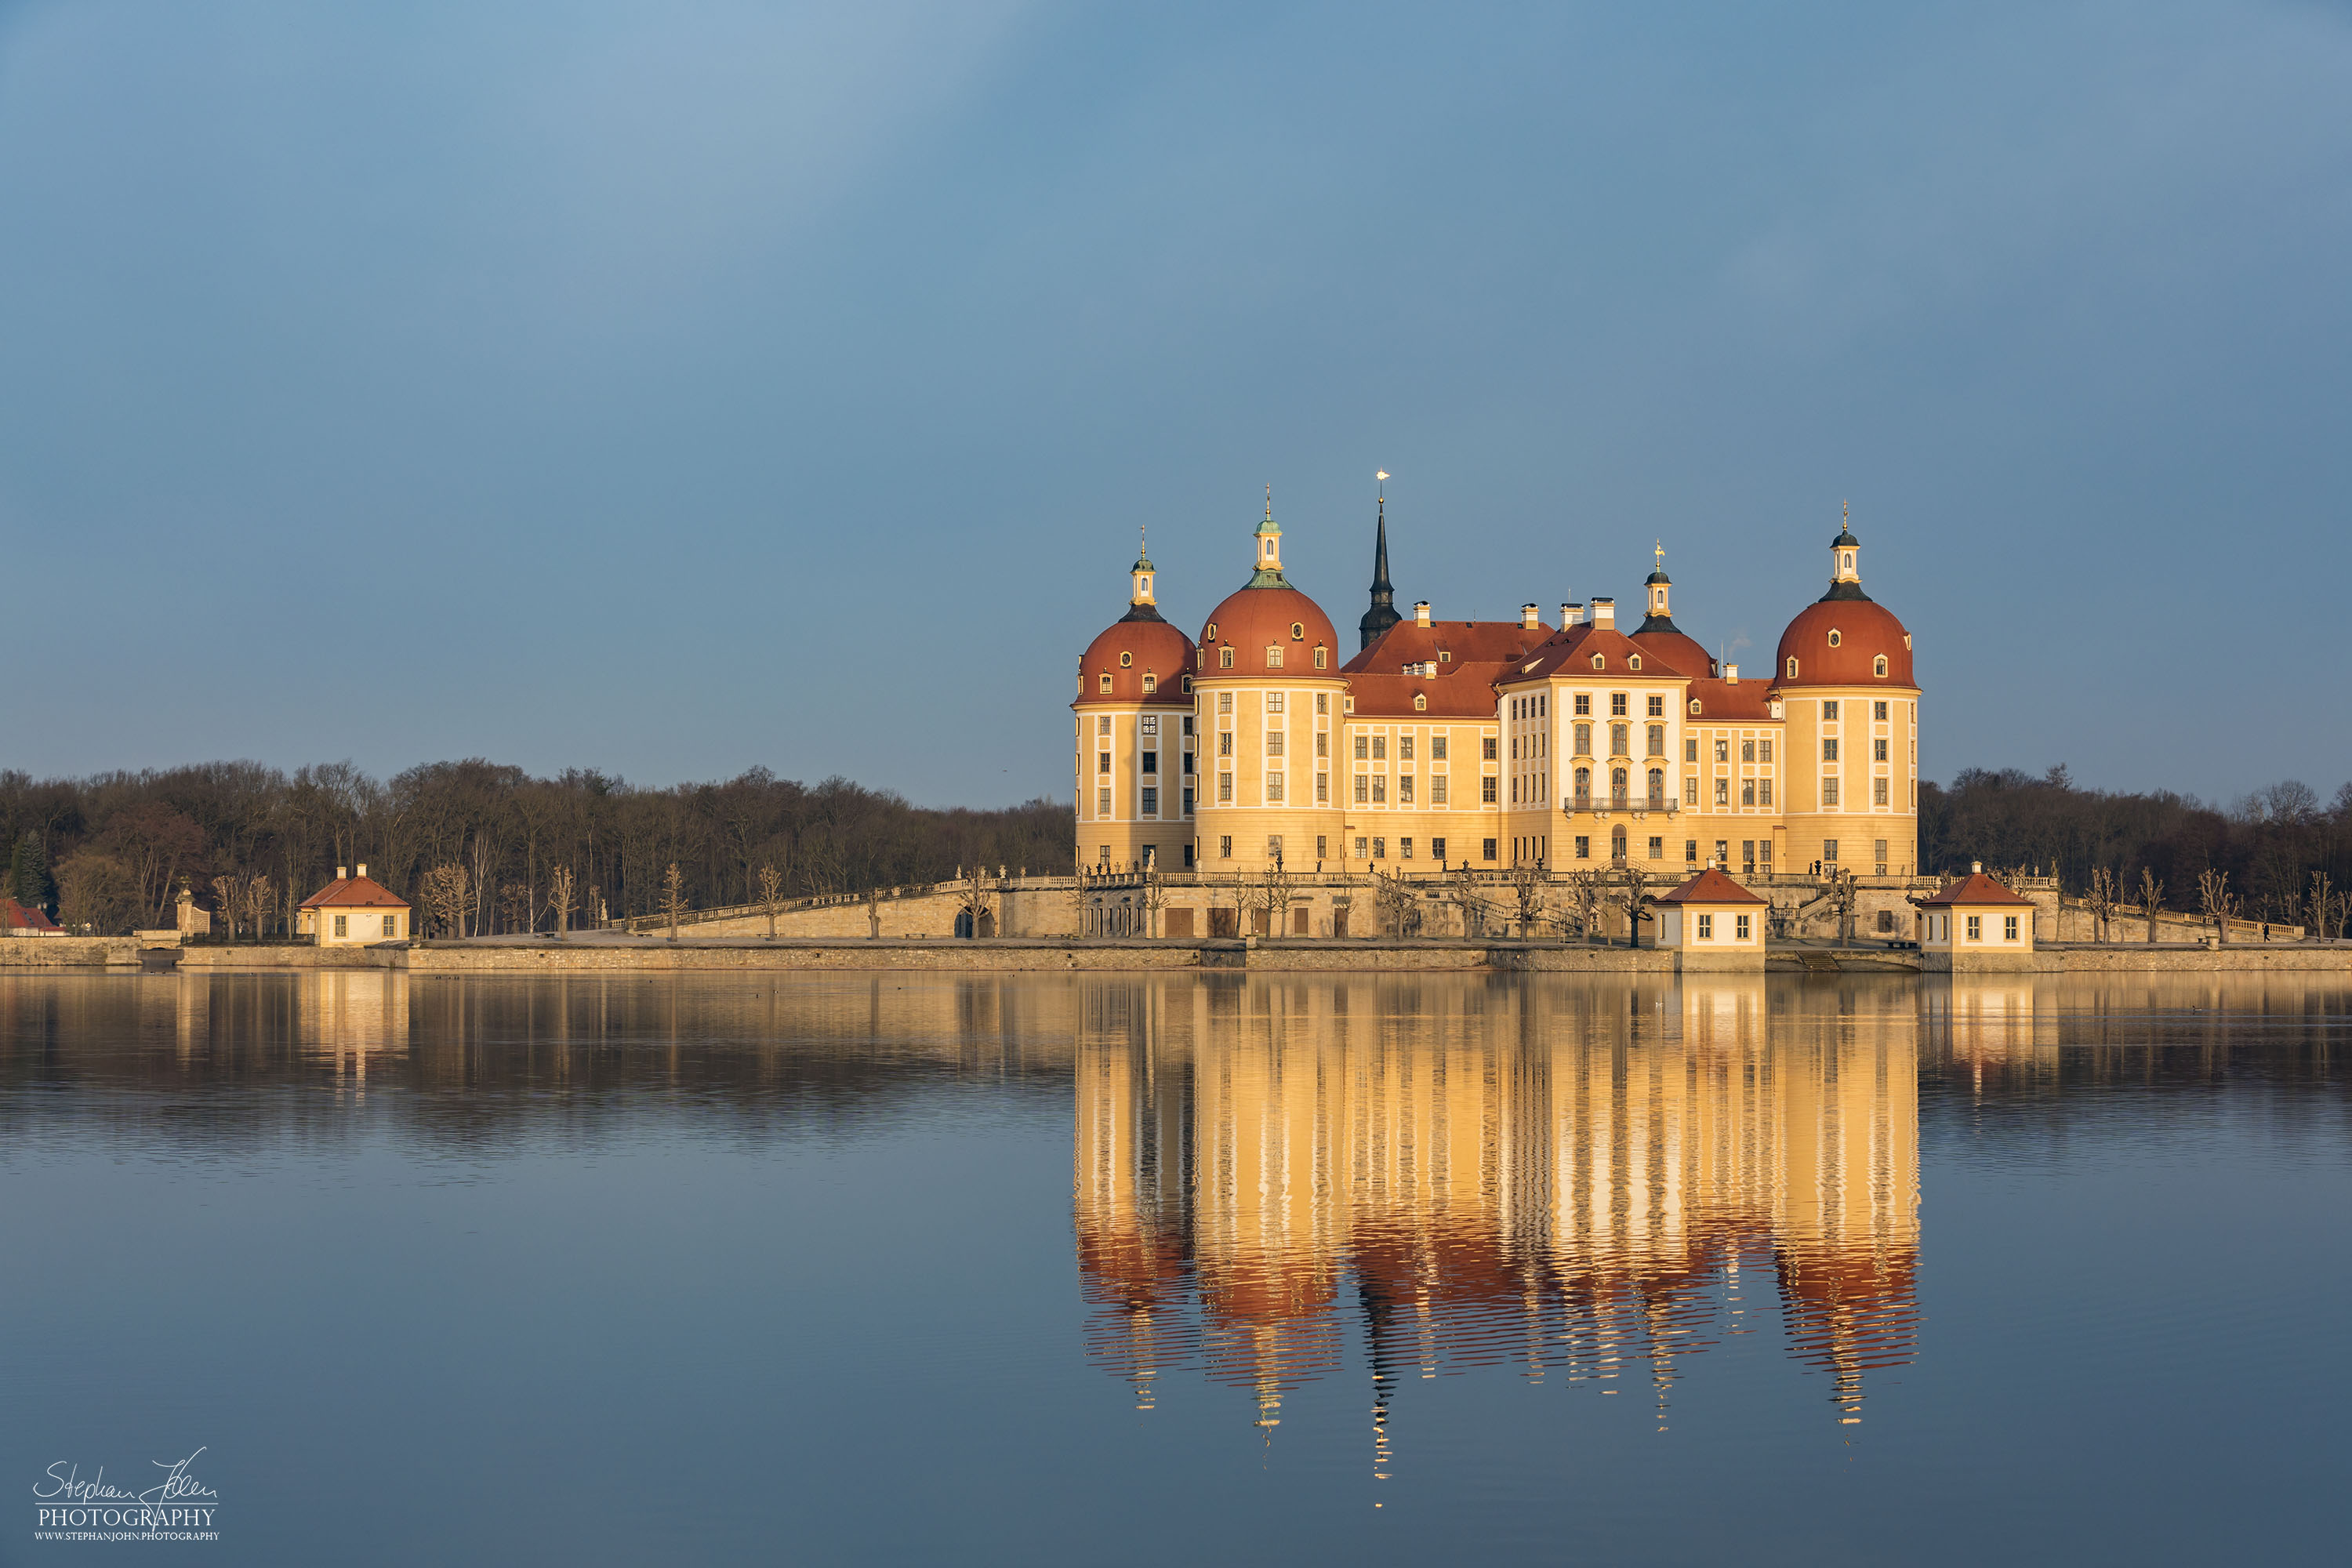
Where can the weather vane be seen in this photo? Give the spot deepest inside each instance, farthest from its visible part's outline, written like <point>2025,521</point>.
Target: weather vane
<point>1380,478</point>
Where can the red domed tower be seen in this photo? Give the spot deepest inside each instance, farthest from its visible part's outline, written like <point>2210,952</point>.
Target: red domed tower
<point>1660,638</point>
<point>1842,675</point>
<point>1271,701</point>
<point>1134,763</point>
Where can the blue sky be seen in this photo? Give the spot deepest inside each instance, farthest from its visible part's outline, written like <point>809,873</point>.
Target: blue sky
<point>676,389</point>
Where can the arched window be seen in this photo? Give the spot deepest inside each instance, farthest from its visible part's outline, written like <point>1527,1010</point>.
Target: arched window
<point>1126,661</point>
<point>1599,662</point>
<point>1878,667</point>
<point>1105,683</point>
<point>1792,668</point>
<point>1617,793</point>
<point>1634,662</point>
<point>1616,844</point>
<point>1419,703</point>
<point>1834,638</point>
<point>1694,707</point>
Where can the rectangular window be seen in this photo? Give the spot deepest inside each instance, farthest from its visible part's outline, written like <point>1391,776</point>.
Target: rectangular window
<point>1486,793</point>
<point>1763,792</point>
<point>1274,846</point>
<point>2008,928</point>
<point>1486,847</point>
<point>1739,928</point>
<point>1437,849</point>
<point>1879,750</point>
<point>1102,802</point>
<point>1102,725</point>
<point>1488,743</point>
<point>1829,750</point>
<point>1657,706</point>
<point>1273,742</point>
<point>1224,743</point>
<point>1273,787</point>
<point>1747,751</point>
<point>1224,702</point>
<point>1722,750</point>
<point>1437,789</point>
<point>1763,751</point>
<point>1225,661</point>
<point>1322,702</point>
<point>1380,848</point>
<point>1188,859</point>
<point>1437,748</point>
<point>1102,762</point>
<point>1380,747</point>
<point>1881,856</point>
<point>1404,748</point>
<point>1584,734</point>
<point>1617,705</point>
<point>1690,851</point>
<point>343,925</point>
<point>1878,711</point>
<point>1976,928</point>
<point>1828,792</point>
<point>1150,761</point>
<point>1380,789</point>
<point>1225,848</point>
<point>1322,742</point>
<point>1707,928</point>
<point>1748,792</point>
<point>1690,748</point>
<point>1404,849</point>
<point>1151,802</point>
<point>1274,700</point>
<point>1829,712</point>
<point>1404,790</point>
<point>1829,851</point>
<point>1584,847</point>
<point>1690,791</point>
<point>1764,854</point>
<point>1188,763</point>
<point>1723,792</point>
<point>1657,849</point>
<point>1583,703</point>
<point>1148,725</point>
<point>1363,849</point>
<point>1188,723</point>
<point>1225,789</point>
<point>1363,788</point>
<point>1188,800</point>
<point>1364,747</point>
<point>1322,849</point>
<point>1322,789</point>
<point>1878,792</point>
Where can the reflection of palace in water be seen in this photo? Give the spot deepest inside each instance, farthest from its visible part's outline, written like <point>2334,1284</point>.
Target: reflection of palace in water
<point>1590,1182</point>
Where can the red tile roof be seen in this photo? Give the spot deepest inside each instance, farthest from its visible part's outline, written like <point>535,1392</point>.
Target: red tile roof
<point>1710,887</point>
<point>355,892</point>
<point>1569,654</point>
<point>1727,701</point>
<point>1464,685</point>
<point>19,918</point>
<point>1976,887</point>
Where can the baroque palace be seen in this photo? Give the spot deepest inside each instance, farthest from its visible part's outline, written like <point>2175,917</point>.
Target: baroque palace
<point>1440,744</point>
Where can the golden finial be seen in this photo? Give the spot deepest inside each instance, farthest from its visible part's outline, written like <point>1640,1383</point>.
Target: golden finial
<point>1269,503</point>
<point>1659,553</point>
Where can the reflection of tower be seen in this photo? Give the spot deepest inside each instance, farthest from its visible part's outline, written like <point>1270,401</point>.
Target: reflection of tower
<point>1539,1173</point>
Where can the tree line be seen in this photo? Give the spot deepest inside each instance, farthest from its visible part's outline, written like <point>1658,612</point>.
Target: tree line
<point>2279,853</point>
<point>111,851</point>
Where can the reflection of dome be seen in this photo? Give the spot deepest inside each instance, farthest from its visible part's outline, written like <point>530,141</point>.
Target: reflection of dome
<point>1150,647</point>
<point>1838,641</point>
<point>1252,620</point>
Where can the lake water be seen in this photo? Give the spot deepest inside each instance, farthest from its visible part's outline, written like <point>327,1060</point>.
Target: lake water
<point>1085,1269</point>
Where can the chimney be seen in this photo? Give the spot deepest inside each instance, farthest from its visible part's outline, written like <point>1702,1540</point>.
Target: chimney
<point>1731,675</point>
<point>1976,866</point>
<point>341,872</point>
<point>1421,612</point>
<point>1526,617</point>
<point>1571,614</point>
<point>362,867</point>
<point>1605,614</point>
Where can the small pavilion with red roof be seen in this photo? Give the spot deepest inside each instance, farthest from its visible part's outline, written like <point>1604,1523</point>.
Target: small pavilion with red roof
<point>1711,922</point>
<point>351,911</point>
<point>1977,921</point>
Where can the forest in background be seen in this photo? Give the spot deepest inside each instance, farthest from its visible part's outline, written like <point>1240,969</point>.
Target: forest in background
<point>111,851</point>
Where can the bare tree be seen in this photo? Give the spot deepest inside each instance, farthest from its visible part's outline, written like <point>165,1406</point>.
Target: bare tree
<point>560,892</point>
<point>515,907</point>
<point>258,903</point>
<point>447,893</point>
<point>1081,897</point>
<point>1394,898</point>
<point>1632,894</point>
<point>1155,898</point>
<point>2102,899</point>
<point>772,896</point>
<point>1464,898</point>
<point>228,896</point>
<point>485,858</point>
<point>1278,893</point>
<point>1527,888</point>
<point>673,897</point>
<point>2151,898</point>
<point>2215,900</point>
<point>2322,902</point>
<point>1587,894</point>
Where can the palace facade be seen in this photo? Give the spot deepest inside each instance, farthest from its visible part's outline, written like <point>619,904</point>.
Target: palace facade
<point>1439,744</point>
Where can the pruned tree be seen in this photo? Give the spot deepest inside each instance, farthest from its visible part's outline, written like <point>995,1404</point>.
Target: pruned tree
<point>673,897</point>
<point>1528,890</point>
<point>1394,898</point>
<point>258,905</point>
<point>561,891</point>
<point>1588,895</point>
<point>2215,900</point>
<point>1463,895</point>
<point>1155,898</point>
<point>1277,891</point>
<point>2322,904</point>
<point>772,896</point>
<point>228,898</point>
<point>1081,897</point>
<point>1632,893</point>
<point>2151,898</point>
<point>447,894</point>
<point>2102,900</point>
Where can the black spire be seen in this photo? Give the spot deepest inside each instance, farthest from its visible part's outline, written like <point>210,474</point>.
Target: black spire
<point>1383,613</point>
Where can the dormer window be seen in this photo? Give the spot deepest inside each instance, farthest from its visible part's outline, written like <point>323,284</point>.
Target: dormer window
<point>1878,667</point>
<point>1347,705</point>
<point>1599,662</point>
<point>1188,686</point>
<point>1322,655</point>
<point>1225,657</point>
<point>1105,683</point>
<point>1694,707</point>
<point>1273,655</point>
<point>1793,668</point>
<point>1445,656</point>
<point>1150,684</point>
<point>1834,638</point>
<point>1126,661</point>
<point>1419,703</point>
<point>1633,661</point>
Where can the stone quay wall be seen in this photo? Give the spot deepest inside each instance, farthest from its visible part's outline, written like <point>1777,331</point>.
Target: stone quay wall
<point>74,951</point>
